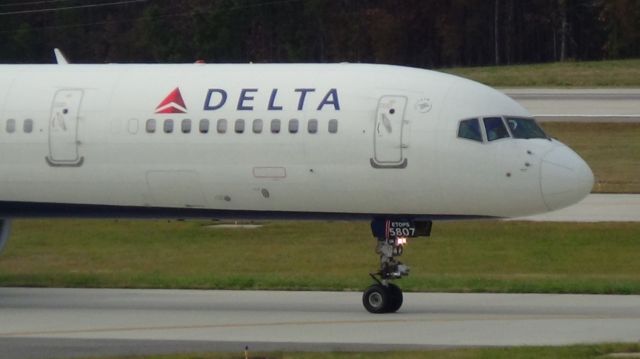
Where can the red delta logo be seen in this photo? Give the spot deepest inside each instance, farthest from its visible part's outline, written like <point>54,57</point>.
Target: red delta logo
<point>173,103</point>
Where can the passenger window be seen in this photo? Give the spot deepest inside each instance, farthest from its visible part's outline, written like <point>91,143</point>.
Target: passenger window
<point>151,126</point>
<point>312,126</point>
<point>257,126</point>
<point>186,126</point>
<point>293,126</point>
<point>333,126</point>
<point>239,127</point>
<point>27,126</point>
<point>168,126</point>
<point>495,128</point>
<point>470,129</point>
<point>11,126</point>
<point>275,126</point>
<point>222,126</point>
<point>204,126</point>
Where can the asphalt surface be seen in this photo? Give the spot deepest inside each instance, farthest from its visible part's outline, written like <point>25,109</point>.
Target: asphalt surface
<point>50,323</point>
<point>580,105</point>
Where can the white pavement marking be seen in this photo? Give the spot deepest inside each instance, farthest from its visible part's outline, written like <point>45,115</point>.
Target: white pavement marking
<point>596,208</point>
<point>581,105</point>
<point>426,319</point>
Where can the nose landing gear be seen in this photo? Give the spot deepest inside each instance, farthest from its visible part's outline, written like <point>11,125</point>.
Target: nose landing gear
<point>384,296</point>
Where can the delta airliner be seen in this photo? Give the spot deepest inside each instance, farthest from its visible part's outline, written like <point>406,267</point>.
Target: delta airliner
<point>398,146</point>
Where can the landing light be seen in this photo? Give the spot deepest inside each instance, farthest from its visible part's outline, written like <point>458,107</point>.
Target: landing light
<point>401,241</point>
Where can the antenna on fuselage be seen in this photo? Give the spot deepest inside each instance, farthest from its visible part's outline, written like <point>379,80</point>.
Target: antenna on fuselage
<point>60,59</point>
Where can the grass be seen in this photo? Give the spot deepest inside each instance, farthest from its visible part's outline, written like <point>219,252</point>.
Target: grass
<point>611,149</point>
<point>575,351</point>
<point>460,257</point>
<point>617,73</point>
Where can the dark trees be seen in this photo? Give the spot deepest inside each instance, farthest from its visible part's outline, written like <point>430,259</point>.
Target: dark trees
<point>424,33</point>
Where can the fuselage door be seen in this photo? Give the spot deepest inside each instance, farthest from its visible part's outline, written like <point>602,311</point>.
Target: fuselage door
<point>388,133</point>
<point>63,129</point>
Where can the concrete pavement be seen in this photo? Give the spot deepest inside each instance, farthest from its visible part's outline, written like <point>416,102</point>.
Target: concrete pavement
<point>68,322</point>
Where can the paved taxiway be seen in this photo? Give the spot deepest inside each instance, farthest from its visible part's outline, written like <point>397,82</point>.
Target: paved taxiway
<point>580,105</point>
<point>38,323</point>
<point>597,208</point>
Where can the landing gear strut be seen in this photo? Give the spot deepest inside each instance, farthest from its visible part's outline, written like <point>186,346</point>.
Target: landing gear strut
<point>384,296</point>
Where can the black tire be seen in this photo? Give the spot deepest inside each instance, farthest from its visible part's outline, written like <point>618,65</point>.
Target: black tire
<point>396,298</point>
<point>376,299</point>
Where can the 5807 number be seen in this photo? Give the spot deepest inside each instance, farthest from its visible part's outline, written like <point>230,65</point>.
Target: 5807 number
<point>402,232</point>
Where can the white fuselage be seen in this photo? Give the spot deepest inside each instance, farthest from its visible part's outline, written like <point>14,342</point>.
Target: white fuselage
<point>395,149</point>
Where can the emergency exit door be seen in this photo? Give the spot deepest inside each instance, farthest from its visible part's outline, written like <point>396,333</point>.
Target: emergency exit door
<point>388,133</point>
<point>63,129</point>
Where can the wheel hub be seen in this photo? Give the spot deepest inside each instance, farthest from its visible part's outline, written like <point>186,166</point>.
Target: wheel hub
<point>375,300</point>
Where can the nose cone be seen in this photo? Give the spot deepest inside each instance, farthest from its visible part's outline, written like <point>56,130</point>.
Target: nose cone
<point>565,178</point>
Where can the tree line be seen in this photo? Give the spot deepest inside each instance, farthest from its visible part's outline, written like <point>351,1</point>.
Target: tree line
<point>422,33</point>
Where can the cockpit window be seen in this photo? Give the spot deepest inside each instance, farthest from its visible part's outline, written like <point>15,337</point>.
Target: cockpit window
<point>525,128</point>
<point>470,129</point>
<point>495,128</point>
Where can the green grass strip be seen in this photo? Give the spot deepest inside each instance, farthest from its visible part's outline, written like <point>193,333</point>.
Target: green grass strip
<point>510,257</point>
<point>615,73</point>
<point>565,352</point>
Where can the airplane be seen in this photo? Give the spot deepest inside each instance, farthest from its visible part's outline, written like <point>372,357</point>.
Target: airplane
<point>400,147</point>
